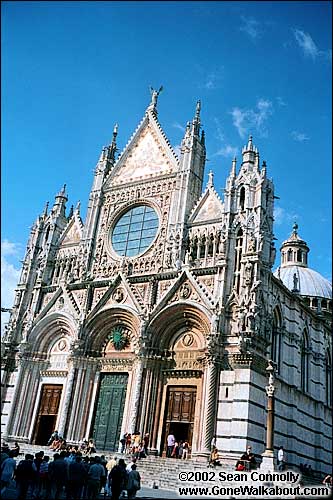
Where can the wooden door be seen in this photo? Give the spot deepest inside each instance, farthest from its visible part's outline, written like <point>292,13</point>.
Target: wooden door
<point>109,410</point>
<point>180,411</point>
<point>47,413</point>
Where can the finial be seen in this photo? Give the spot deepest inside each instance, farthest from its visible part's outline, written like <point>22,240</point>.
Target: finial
<point>210,182</point>
<point>46,209</point>
<point>78,206</point>
<point>197,109</point>
<point>71,211</point>
<point>249,144</point>
<point>115,132</point>
<point>63,191</point>
<point>233,168</point>
<point>295,227</point>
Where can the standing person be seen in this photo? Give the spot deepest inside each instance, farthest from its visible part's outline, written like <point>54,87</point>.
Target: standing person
<point>91,447</point>
<point>58,473</point>
<point>214,457</point>
<point>118,479</point>
<point>95,478</point>
<point>8,467</point>
<point>281,459</point>
<point>186,449</point>
<point>25,475</point>
<point>44,483</point>
<point>109,466</point>
<point>16,449</point>
<point>104,478</point>
<point>146,442</point>
<point>133,482</point>
<point>76,478</point>
<point>180,449</point>
<point>170,444</point>
<point>175,449</point>
<point>123,443</point>
<point>128,443</point>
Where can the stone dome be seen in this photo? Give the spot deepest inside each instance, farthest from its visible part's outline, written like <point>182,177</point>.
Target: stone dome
<point>308,282</point>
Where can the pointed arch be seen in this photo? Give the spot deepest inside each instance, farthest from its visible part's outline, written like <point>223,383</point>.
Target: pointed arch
<point>242,198</point>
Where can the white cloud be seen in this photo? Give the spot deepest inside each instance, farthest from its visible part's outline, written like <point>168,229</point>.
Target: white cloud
<point>9,277</point>
<point>309,47</point>
<point>227,151</point>
<point>299,136</point>
<point>251,27</point>
<point>281,102</point>
<point>179,126</point>
<point>255,119</point>
<point>211,79</point>
<point>281,215</point>
<point>306,43</point>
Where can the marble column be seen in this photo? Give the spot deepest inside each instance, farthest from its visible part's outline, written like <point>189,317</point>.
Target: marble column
<point>13,409</point>
<point>135,397</point>
<point>209,407</point>
<point>67,398</point>
<point>267,463</point>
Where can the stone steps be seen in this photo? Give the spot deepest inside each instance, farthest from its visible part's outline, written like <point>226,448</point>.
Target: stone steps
<point>159,471</point>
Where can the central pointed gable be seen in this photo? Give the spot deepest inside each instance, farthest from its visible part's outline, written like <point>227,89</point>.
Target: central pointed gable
<point>147,155</point>
<point>208,209</point>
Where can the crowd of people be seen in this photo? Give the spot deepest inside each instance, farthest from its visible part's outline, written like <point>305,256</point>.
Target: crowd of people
<point>177,449</point>
<point>69,475</point>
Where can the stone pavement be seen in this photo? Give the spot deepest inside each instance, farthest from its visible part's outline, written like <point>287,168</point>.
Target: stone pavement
<point>144,494</point>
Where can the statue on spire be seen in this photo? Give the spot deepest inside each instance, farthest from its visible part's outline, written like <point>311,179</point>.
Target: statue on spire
<point>154,95</point>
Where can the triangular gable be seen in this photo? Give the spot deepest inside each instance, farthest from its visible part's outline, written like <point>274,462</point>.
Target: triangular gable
<point>72,233</point>
<point>148,154</point>
<point>186,288</point>
<point>209,208</point>
<point>61,302</point>
<point>119,293</point>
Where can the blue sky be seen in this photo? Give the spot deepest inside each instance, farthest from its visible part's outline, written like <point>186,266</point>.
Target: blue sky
<point>70,70</point>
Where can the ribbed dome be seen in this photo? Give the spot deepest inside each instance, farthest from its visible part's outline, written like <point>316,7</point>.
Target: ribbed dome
<point>309,282</point>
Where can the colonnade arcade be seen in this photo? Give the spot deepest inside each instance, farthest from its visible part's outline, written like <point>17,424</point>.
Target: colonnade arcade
<point>120,373</point>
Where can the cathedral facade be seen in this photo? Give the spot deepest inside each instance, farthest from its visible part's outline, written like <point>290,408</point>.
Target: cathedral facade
<point>160,312</point>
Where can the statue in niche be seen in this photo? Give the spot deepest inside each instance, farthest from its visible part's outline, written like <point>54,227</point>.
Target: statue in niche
<point>252,244</point>
<point>248,273</point>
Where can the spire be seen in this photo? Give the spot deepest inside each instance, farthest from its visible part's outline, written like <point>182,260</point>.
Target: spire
<point>263,169</point>
<point>46,209</point>
<point>60,201</point>
<point>196,120</point>
<point>210,182</point>
<point>78,207</point>
<point>233,168</point>
<point>71,211</point>
<point>154,96</point>
<point>250,154</point>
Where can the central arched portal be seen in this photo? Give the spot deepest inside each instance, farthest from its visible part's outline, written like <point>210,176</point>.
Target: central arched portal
<point>182,377</point>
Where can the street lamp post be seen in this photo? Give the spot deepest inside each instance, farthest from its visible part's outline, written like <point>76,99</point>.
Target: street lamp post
<point>267,463</point>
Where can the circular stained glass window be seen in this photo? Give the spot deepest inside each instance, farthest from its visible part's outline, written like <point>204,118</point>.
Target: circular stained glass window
<point>135,231</point>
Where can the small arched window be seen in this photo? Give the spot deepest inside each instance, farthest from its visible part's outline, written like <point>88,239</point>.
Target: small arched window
<point>238,258</point>
<point>242,198</point>
<point>305,362</point>
<point>299,255</point>
<point>276,345</point>
<point>290,255</point>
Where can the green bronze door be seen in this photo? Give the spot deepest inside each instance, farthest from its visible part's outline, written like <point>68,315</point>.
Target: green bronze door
<point>109,410</point>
